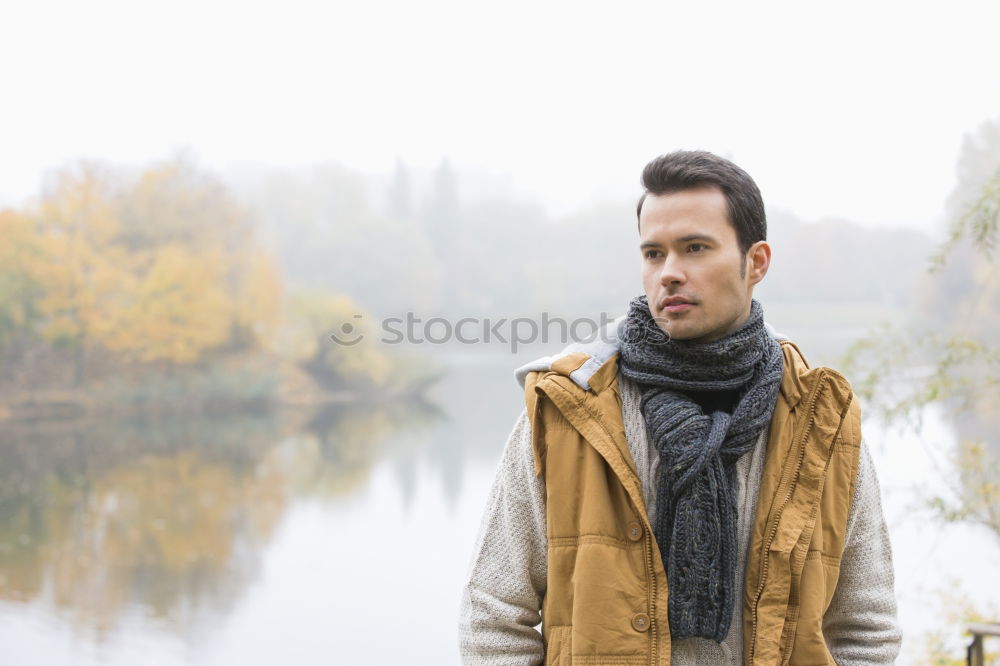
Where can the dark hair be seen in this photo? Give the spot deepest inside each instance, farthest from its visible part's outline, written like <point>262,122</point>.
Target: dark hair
<point>688,169</point>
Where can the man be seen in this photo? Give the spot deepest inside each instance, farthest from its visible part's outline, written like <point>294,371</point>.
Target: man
<point>686,490</point>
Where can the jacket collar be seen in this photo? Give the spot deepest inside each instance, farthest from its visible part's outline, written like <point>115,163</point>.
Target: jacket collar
<point>589,364</point>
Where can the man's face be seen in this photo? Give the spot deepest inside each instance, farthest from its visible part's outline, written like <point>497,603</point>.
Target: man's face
<point>692,266</point>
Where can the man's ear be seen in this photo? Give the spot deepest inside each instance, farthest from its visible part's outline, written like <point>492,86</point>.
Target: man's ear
<point>758,261</point>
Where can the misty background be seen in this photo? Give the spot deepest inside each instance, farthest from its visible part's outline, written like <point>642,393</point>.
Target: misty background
<point>195,197</point>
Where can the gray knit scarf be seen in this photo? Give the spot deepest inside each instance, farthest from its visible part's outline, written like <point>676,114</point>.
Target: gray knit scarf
<point>695,524</point>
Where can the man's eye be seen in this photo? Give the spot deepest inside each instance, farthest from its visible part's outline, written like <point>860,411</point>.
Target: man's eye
<point>696,247</point>
<point>652,254</point>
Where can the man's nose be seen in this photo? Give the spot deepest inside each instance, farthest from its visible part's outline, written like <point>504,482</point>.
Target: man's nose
<point>672,271</point>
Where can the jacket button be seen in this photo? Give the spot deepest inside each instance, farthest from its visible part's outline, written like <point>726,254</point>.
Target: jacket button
<point>640,622</point>
<point>634,531</point>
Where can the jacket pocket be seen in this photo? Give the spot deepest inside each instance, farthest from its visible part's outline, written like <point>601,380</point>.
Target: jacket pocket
<point>559,650</point>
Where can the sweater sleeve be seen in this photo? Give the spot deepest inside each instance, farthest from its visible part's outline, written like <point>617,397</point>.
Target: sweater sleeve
<point>860,624</point>
<point>505,585</point>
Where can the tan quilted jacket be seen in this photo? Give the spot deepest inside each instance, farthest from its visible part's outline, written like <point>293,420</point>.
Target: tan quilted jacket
<point>606,601</point>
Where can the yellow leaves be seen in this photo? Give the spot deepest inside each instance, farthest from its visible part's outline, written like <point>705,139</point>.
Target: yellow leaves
<point>162,268</point>
<point>79,280</point>
<point>18,252</point>
<point>956,612</point>
<point>978,468</point>
<point>308,321</point>
<point>16,236</point>
<point>81,204</point>
<point>172,308</point>
<point>172,202</point>
<point>335,340</point>
<point>362,363</point>
<point>258,299</point>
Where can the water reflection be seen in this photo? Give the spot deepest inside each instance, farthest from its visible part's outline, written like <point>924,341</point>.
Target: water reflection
<point>245,538</point>
<point>171,516</point>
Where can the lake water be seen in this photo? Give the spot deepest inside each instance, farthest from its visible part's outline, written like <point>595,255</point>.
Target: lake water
<point>340,538</point>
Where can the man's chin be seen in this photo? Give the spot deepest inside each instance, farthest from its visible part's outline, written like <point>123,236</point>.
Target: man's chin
<point>684,333</point>
<point>679,327</point>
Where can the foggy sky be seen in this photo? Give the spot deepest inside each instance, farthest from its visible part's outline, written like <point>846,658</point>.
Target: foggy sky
<point>854,111</point>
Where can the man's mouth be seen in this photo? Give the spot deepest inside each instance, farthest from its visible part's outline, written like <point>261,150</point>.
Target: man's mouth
<point>675,304</point>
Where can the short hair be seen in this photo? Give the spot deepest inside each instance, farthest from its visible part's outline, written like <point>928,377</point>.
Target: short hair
<point>688,169</point>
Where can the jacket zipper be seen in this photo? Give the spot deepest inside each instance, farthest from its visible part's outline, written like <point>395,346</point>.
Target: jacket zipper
<point>652,598</point>
<point>777,517</point>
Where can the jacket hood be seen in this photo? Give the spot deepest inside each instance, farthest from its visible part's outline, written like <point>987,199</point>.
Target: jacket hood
<point>599,348</point>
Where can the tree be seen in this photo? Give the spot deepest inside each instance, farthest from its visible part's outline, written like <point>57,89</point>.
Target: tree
<point>20,255</point>
<point>84,272</point>
<point>949,354</point>
<point>400,193</point>
<point>163,267</point>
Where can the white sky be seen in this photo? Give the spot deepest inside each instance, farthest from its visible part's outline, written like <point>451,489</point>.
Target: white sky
<point>856,110</point>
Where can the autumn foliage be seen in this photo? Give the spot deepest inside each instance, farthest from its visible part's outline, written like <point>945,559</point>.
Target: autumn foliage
<point>162,268</point>
<point>109,276</point>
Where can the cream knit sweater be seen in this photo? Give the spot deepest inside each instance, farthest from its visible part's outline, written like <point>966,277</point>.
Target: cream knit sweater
<point>502,598</point>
